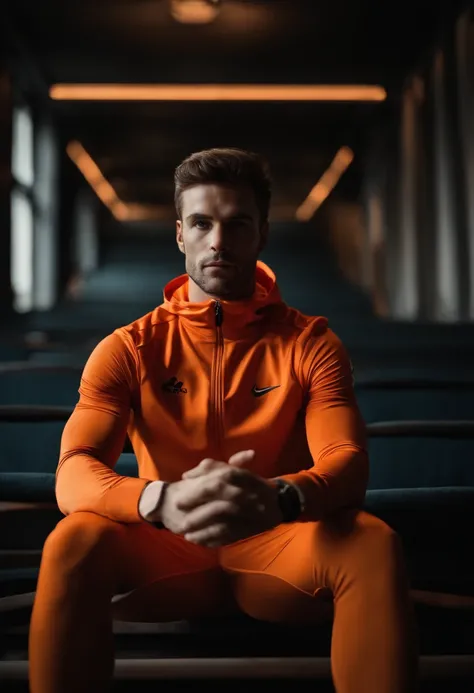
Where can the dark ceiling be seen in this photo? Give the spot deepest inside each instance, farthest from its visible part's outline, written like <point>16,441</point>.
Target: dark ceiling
<point>137,145</point>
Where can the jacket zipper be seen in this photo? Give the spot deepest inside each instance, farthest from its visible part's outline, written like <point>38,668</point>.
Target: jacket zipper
<point>217,389</point>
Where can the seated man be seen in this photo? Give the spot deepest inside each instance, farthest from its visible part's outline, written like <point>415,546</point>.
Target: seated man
<point>252,466</point>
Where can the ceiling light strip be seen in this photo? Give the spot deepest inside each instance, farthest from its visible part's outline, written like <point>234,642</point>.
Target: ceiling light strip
<point>216,92</point>
<point>325,185</point>
<point>102,188</point>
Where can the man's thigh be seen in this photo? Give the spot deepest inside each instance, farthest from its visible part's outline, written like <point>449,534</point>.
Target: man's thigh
<point>166,578</point>
<point>275,577</point>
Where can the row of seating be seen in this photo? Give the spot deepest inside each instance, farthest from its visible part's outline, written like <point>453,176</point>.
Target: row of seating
<point>34,448</point>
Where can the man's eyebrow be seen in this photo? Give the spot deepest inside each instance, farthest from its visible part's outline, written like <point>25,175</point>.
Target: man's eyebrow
<point>197,215</point>
<point>233,217</point>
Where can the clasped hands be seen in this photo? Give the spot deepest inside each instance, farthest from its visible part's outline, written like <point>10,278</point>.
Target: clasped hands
<point>218,503</point>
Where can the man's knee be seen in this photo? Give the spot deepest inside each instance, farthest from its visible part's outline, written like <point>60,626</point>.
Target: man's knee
<point>377,549</point>
<point>358,534</point>
<point>80,538</point>
<point>376,534</point>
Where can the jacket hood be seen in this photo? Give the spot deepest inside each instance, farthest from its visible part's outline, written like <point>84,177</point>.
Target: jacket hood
<point>236,314</point>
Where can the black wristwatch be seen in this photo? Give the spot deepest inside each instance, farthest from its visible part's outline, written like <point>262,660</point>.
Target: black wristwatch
<point>290,500</point>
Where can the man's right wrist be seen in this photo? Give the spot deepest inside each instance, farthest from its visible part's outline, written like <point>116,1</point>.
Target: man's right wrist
<point>151,501</point>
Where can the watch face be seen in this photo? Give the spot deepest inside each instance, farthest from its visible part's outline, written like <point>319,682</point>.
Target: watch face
<point>289,501</point>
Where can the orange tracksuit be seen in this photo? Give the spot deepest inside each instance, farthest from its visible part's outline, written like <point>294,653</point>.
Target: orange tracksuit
<point>195,380</point>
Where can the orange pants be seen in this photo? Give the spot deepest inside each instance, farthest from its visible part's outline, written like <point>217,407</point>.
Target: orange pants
<point>285,575</point>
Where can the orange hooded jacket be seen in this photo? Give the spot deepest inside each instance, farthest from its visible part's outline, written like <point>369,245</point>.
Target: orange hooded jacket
<point>195,380</point>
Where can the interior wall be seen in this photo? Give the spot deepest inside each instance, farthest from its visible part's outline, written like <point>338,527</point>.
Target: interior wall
<point>347,232</point>
<point>5,182</point>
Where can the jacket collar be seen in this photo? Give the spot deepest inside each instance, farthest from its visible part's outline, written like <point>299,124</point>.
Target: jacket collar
<point>236,315</point>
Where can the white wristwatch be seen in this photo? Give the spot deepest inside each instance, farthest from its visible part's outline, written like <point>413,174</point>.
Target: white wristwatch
<point>151,499</point>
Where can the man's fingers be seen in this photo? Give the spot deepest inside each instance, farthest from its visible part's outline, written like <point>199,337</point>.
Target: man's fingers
<point>218,534</point>
<point>214,491</point>
<point>215,512</point>
<point>204,467</point>
<point>240,459</point>
<point>212,536</point>
<point>229,483</point>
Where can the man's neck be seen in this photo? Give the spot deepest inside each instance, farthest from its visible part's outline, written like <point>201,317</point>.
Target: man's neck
<point>197,295</point>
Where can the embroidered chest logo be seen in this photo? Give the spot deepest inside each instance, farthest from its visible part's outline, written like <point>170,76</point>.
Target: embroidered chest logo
<point>260,391</point>
<point>174,386</point>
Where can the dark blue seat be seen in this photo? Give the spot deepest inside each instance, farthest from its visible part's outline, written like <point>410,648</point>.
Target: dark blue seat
<point>402,398</point>
<point>34,446</point>
<point>34,383</point>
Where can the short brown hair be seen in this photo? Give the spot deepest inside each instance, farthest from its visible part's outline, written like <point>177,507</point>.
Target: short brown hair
<point>229,165</point>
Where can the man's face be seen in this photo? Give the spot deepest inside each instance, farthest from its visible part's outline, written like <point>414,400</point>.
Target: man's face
<point>221,224</point>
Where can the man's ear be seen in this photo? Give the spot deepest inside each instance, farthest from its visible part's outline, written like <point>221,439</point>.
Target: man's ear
<point>179,235</point>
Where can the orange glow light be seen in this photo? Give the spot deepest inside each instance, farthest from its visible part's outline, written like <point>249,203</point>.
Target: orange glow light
<point>216,92</point>
<point>325,185</point>
<point>104,191</point>
<point>194,11</point>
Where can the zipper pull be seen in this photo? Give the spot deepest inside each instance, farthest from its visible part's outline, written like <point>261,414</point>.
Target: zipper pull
<point>219,315</point>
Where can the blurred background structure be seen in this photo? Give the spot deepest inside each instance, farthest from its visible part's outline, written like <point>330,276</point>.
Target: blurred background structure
<point>365,113</point>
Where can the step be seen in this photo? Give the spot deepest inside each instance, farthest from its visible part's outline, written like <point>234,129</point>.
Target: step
<point>450,667</point>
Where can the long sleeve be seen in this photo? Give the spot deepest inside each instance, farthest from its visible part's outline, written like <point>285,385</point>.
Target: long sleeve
<point>94,436</point>
<point>335,432</point>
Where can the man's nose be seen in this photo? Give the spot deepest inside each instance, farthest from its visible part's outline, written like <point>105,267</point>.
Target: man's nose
<point>218,238</point>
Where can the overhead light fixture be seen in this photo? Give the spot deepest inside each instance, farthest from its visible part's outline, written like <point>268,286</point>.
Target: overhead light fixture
<point>104,191</point>
<point>325,185</point>
<point>195,11</point>
<point>217,92</point>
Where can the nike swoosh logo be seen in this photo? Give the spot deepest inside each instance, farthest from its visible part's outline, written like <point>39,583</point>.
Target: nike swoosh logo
<point>259,391</point>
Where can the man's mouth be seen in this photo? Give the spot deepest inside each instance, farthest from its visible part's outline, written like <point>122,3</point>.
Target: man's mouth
<point>219,264</point>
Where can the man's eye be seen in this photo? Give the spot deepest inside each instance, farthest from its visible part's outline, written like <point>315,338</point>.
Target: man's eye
<point>201,224</point>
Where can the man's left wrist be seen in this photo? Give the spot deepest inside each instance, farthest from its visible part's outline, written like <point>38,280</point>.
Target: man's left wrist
<point>290,500</point>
